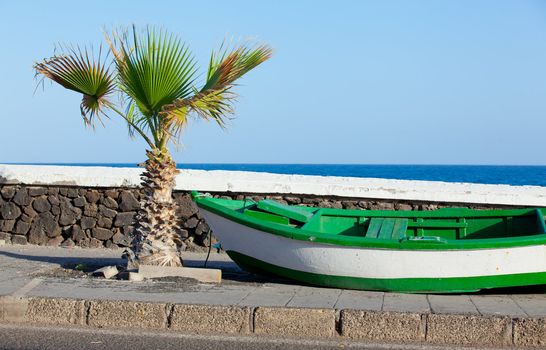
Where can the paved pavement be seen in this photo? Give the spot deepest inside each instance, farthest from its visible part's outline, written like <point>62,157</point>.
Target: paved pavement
<point>45,285</point>
<point>50,272</point>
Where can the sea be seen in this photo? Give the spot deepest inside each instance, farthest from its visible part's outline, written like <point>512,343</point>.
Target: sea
<point>481,174</point>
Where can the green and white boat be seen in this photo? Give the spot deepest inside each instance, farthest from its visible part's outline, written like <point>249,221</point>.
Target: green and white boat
<point>446,250</point>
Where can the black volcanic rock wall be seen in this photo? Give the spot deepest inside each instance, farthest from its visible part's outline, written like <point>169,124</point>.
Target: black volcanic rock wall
<point>104,217</point>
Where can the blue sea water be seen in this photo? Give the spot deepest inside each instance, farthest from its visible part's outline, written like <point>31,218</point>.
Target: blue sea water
<point>483,174</point>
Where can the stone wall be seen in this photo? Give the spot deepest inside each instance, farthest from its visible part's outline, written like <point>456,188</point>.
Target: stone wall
<point>94,217</point>
<point>104,217</point>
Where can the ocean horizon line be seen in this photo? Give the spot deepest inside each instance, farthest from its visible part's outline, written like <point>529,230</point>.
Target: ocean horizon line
<point>132,164</point>
<point>518,175</point>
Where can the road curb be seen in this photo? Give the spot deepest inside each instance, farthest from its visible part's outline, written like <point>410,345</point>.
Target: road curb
<point>203,319</point>
<point>377,326</point>
<point>383,326</point>
<point>295,322</point>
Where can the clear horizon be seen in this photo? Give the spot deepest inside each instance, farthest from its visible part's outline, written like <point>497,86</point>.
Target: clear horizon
<point>255,163</point>
<point>531,175</point>
<point>368,83</point>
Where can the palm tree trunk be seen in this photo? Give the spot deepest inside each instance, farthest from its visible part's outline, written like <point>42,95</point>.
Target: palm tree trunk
<point>157,242</point>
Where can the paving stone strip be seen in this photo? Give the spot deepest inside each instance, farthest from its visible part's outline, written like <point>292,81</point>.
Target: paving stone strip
<point>21,292</point>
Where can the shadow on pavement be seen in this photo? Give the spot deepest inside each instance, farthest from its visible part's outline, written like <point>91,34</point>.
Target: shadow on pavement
<point>64,261</point>
<point>230,271</point>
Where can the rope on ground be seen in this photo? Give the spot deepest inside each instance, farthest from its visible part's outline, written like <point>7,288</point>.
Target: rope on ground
<point>210,247</point>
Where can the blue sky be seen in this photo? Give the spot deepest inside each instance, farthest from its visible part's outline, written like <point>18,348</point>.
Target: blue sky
<point>392,82</point>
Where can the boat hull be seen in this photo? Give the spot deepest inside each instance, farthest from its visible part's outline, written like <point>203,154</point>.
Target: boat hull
<point>446,271</point>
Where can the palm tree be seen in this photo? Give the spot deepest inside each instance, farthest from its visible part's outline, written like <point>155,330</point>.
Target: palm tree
<point>154,76</point>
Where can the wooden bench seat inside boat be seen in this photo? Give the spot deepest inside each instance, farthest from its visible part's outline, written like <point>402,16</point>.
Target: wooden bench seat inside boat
<point>387,228</point>
<point>290,212</point>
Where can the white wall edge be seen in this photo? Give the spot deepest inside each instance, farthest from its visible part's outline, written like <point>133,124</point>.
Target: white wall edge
<point>254,182</point>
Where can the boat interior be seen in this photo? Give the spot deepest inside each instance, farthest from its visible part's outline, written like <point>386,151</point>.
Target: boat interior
<point>436,225</point>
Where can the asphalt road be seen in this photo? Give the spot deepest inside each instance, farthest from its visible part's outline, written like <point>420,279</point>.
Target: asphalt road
<point>14,336</point>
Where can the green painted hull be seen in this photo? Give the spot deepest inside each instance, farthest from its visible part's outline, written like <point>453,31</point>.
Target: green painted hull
<point>443,251</point>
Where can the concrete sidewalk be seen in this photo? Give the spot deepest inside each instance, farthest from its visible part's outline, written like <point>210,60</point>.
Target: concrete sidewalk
<point>41,285</point>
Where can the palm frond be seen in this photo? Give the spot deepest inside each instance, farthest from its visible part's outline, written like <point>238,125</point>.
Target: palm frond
<point>215,99</point>
<point>75,70</point>
<point>227,66</point>
<point>155,68</point>
<point>131,116</point>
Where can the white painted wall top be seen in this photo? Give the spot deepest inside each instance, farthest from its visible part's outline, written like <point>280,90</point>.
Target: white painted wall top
<point>253,182</point>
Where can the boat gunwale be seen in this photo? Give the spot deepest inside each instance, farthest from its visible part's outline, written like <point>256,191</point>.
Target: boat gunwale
<point>301,234</point>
